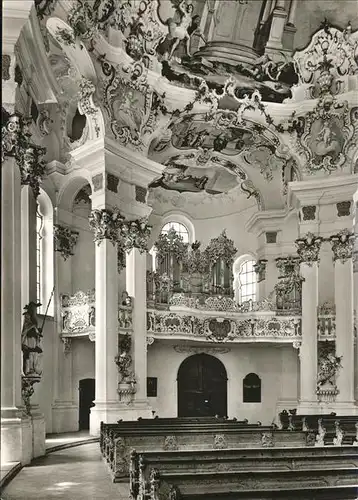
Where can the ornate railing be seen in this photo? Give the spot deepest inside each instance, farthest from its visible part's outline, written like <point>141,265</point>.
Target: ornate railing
<point>223,327</point>
<point>78,313</point>
<point>213,318</point>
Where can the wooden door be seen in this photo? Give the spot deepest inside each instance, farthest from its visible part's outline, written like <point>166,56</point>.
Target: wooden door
<point>202,387</point>
<point>86,398</point>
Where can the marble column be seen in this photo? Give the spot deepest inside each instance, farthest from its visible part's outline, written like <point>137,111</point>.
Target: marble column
<point>308,251</point>
<point>278,22</point>
<point>107,407</point>
<point>16,428</point>
<point>292,12</point>
<point>342,247</point>
<point>136,288</point>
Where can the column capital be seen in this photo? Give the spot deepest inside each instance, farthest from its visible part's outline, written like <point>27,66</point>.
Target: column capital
<point>15,142</point>
<point>308,247</point>
<point>136,234</point>
<point>106,223</point>
<point>342,245</point>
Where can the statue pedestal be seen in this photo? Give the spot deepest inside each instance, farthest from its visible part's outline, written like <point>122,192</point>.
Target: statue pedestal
<point>64,417</point>
<point>112,411</point>
<point>16,437</point>
<point>38,432</point>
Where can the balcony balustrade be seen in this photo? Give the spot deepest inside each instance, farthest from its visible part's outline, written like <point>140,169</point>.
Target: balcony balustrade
<point>216,318</point>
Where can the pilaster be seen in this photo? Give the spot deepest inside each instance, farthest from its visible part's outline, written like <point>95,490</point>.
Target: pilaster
<point>64,409</point>
<point>342,248</point>
<point>308,251</point>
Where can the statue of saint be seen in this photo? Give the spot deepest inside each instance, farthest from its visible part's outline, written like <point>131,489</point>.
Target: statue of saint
<point>31,342</point>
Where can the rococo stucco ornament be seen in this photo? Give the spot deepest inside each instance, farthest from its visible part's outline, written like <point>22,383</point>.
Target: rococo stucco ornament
<point>65,240</point>
<point>15,142</point>
<point>342,245</point>
<point>328,365</point>
<point>327,68</point>
<point>135,234</point>
<point>106,224</point>
<point>308,248</point>
<point>123,360</point>
<point>260,269</point>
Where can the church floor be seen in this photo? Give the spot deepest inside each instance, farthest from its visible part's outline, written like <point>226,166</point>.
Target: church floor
<point>69,474</point>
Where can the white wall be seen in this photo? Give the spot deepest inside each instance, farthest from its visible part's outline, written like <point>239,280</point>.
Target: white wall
<point>44,389</point>
<point>265,360</point>
<point>83,262</point>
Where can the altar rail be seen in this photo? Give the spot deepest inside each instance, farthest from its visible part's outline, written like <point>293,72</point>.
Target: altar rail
<point>217,318</point>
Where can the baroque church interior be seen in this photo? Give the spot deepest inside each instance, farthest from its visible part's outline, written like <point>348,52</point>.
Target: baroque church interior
<point>179,250</point>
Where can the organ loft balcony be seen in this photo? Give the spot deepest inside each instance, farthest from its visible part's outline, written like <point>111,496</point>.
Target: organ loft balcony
<point>191,296</point>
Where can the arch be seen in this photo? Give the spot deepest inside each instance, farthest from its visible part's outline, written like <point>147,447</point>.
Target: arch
<point>70,189</point>
<point>251,388</point>
<point>202,387</point>
<point>170,217</point>
<point>238,262</point>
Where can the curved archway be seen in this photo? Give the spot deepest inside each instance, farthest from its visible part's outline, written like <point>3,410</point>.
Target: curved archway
<point>202,387</point>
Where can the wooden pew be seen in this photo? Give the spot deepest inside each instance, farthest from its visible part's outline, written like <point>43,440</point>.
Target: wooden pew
<point>196,439</point>
<point>331,423</point>
<point>229,485</point>
<point>237,460</point>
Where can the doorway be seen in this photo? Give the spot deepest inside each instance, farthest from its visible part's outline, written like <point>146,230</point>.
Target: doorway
<point>86,398</point>
<point>202,387</point>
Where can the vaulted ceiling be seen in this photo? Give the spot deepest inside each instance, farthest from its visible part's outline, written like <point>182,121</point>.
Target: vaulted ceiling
<point>203,88</point>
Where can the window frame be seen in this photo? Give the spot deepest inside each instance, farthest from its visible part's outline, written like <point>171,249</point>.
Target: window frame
<point>241,284</point>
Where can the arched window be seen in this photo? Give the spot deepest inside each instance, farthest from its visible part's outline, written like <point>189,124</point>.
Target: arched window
<point>39,226</point>
<point>179,228</point>
<point>44,252</point>
<point>251,389</point>
<point>247,281</point>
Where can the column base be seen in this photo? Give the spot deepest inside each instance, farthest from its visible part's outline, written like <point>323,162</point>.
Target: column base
<point>64,417</point>
<point>111,412</point>
<point>38,432</point>
<point>315,408</point>
<point>16,437</point>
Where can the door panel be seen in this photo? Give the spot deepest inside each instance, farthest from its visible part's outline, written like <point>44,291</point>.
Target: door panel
<point>86,398</point>
<point>202,387</point>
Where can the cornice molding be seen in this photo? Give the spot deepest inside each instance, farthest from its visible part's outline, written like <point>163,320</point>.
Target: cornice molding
<point>266,221</point>
<point>322,191</point>
<point>106,155</point>
<point>15,14</point>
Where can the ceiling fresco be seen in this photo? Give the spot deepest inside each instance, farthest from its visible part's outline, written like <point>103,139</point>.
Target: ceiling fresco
<point>205,89</point>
